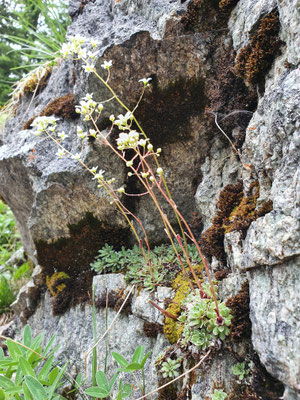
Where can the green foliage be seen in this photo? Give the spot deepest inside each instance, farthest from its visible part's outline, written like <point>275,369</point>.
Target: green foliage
<point>133,264</point>
<point>29,371</point>
<point>6,295</point>
<point>169,367</point>
<point>105,386</point>
<point>201,322</point>
<point>239,369</point>
<point>31,32</point>
<point>219,395</point>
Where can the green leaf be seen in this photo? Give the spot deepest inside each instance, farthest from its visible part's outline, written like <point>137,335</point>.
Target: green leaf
<point>145,359</point>
<point>27,338</point>
<point>26,391</point>
<point>126,390</point>
<point>48,346</point>
<point>53,375</point>
<point>6,383</point>
<point>113,380</point>
<point>102,380</point>
<point>14,350</point>
<point>57,381</point>
<point>130,367</point>
<point>26,367</point>
<point>43,374</point>
<point>19,375</point>
<point>2,356</point>
<point>138,354</point>
<point>97,392</point>
<point>36,389</point>
<point>120,360</point>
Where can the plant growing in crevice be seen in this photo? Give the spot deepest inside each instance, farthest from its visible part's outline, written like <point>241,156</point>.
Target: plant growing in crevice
<point>169,367</point>
<point>219,394</point>
<point>202,324</point>
<point>240,370</point>
<point>133,147</point>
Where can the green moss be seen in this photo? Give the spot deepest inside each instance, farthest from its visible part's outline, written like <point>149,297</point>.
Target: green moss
<point>255,60</point>
<point>173,329</point>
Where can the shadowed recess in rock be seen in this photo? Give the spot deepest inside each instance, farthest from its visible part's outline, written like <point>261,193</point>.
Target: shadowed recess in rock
<point>74,255</point>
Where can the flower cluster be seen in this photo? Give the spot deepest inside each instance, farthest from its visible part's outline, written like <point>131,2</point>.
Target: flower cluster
<point>129,140</point>
<point>42,124</point>
<point>87,107</point>
<point>202,324</point>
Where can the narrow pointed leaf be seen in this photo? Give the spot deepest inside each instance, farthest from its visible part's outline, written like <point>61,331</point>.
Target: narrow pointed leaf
<point>44,372</point>
<point>137,354</point>
<point>27,338</point>
<point>145,359</point>
<point>120,360</point>
<point>26,367</point>
<point>36,389</point>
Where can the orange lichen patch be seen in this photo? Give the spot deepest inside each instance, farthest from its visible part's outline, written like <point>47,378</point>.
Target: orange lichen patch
<point>239,305</point>
<point>255,59</point>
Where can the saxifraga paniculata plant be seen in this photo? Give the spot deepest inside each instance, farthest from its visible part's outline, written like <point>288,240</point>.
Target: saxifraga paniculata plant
<point>148,171</point>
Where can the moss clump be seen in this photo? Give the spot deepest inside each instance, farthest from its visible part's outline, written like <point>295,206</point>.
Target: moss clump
<point>173,329</point>
<point>239,306</point>
<point>151,329</point>
<point>61,107</point>
<point>235,213</point>
<point>241,216</point>
<point>212,240</point>
<point>56,283</point>
<point>254,60</point>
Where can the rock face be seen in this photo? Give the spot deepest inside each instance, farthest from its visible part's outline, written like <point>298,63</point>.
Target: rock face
<point>191,50</point>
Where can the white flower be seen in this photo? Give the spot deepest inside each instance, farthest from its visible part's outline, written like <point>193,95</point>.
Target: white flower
<point>62,135</point>
<point>158,150</point>
<point>89,68</point>
<point>128,140</point>
<point>159,171</point>
<point>94,44</point>
<point>93,170</point>
<point>106,64</point>
<point>150,147</point>
<point>92,132</point>
<point>99,176</point>
<point>88,96</point>
<point>121,189</point>
<point>152,179</point>
<point>60,153</point>
<point>142,142</point>
<point>76,156</point>
<point>144,174</point>
<point>112,118</point>
<point>129,163</point>
<point>123,119</point>
<point>145,81</point>
<point>100,107</point>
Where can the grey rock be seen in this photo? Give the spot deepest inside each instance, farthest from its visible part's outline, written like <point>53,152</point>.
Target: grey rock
<point>274,310</point>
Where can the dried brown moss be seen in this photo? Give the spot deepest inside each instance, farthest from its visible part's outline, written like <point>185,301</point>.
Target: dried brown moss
<point>239,305</point>
<point>227,3</point>
<point>212,240</point>
<point>235,213</point>
<point>61,107</point>
<point>255,60</point>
